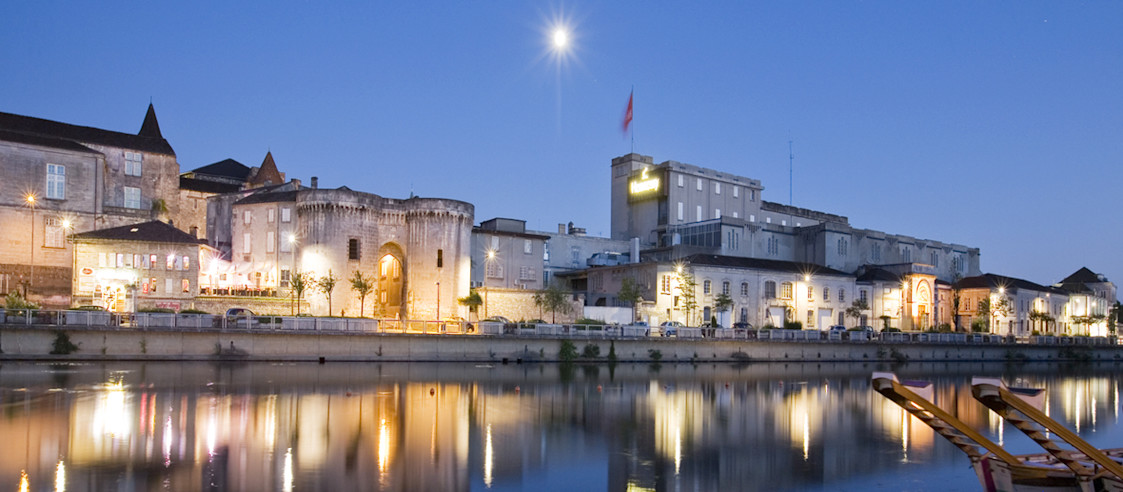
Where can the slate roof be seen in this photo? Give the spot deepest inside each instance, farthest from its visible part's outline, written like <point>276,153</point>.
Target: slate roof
<point>1083,275</point>
<point>762,264</point>
<point>269,197</point>
<point>207,186</point>
<point>879,275</point>
<point>151,232</point>
<point>993,281</point>
<point>226,168</point>
<point>149,140</point>
<point>42,141</point>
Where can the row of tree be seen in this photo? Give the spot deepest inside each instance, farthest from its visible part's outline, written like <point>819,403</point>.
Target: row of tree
<point>303,282</point>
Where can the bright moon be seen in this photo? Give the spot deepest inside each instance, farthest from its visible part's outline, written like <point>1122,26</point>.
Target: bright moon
<point>560,38</point>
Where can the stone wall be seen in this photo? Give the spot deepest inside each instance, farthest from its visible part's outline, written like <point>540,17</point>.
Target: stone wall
<point>518,304</point>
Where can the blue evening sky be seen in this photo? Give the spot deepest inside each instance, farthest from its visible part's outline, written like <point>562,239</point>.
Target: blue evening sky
<point>992,124</point>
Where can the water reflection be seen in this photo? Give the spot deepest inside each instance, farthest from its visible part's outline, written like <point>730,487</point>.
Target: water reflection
<point>192,426</point>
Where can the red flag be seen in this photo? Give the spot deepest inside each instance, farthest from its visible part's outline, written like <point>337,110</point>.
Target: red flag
<point>628,113</point>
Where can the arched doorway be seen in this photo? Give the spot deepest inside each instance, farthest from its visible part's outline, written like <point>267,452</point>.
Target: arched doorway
<point>390,281</point>
<point>924,305</point>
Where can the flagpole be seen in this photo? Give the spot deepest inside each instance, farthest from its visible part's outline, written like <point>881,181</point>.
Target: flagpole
<point>631,97</point>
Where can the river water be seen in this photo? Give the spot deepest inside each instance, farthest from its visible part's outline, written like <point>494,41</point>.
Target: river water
<point>434,427</point>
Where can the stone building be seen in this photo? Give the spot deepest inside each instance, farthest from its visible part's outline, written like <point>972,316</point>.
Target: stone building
<point>146,265</point>
<point>198,186</point>
<point>1028,306</point>
<point>416,250</point>
<point>676,209</point>
<point>1091,297</point>
<point>61,178</point>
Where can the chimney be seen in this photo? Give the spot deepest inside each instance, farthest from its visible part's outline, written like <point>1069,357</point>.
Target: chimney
<point>561,228</point>
<point>315,182</point>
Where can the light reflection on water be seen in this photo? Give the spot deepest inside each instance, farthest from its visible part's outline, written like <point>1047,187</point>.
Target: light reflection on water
<point>285,427</point>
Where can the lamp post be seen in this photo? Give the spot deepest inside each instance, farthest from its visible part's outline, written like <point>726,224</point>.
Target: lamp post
<point>438,300</point>
<point>67,226</point>
<point>291,239</point>
<point>31,278</point>
<point>490,258</point>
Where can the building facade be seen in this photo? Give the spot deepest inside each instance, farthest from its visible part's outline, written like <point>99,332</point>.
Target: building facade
<point>61,178</point>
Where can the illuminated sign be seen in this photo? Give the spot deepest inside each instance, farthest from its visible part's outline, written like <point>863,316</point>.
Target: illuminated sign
<point>643,184</point>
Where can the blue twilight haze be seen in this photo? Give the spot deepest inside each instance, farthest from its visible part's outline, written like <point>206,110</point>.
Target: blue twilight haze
<point>992,124</point>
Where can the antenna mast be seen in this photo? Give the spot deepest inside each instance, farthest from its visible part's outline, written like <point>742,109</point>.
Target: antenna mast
<point>791,157</point>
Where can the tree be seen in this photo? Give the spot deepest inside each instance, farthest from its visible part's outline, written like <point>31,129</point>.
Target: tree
<point>856,309</point>
<point>1000,307</point>
<point>629,293</point>
<point>722,303</point>
<point>956,297</point>
<point>686,288</point>
<point>554,299</point>
<point>1088,321</point>
<point>326,284</point>
<point>472,300</point>
<point>363,286</point>
<point>300,283</point>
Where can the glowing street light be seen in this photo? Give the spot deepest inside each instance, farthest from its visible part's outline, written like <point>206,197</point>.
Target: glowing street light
<point>31,198</point>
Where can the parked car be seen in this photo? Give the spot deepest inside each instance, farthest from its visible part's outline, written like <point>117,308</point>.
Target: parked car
<point>498,319</point>
<point>838,328</point>
<point>743,325</point>
<point>234,312</point>
<point>89,308</point>
<point>867,329</point>
<point>670,323</point>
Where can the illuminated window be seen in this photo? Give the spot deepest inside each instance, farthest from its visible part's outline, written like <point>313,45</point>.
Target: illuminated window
<point>810,318</point>
<point>186,285</point>
<point>56,182</point>
<point>186,262</point>
<point>786,290</point>
<point>810,293</point>
<point>665,285</point>
<point>170,263</point>
<point>133,163</point>
<point>54,237</point>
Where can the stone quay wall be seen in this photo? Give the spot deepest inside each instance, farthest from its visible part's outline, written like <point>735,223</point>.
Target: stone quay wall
<point>36,343</point>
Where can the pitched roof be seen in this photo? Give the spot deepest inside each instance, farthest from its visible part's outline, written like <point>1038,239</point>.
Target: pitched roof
<point>84,134</point>
<point>762,264</point>
<point>42,141</point>
<point>150,128</point>
<point>207,185</point>
<point>993,281</point>
<point>269,197</point>
<point>267,174</point>
<point>879,275</point>
<point>150,232</point>
<point>1083,275</point>
<point>226,168</point>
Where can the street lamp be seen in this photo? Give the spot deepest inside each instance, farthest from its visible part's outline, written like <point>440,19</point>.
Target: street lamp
<point>438,300</point>
<point>67,226</point>
<point>31,278</point>
<point>487,263</point>
<point>291,239</point>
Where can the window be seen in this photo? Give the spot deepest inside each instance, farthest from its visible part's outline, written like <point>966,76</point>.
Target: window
<point>186,262</point>
<point>152,262</point>
<point>286,276</point>
<point>56,182</point>
<point>752,217</point>
<point>706,287</point>
<point>725,287</point>
<point>906,254</point>
<point>698,213</point>
<point>680,211</point>
<point>745,288</point>
<point>494,269</point>
<point>54,236</point>
<point>826,294</point>
<point>286,243</point>
<point>247,216</point>
<point>841,295</point>
<point>752,195</point>
<point>810,293</point>
<point>717,213</point>
<point>286,214</point>
<point>736,190</point>
<point>272,215</point>
<point>133,161</point>
<point>168,285</point>
<point>132,197</point>
<point>169,264</point>
<point>744,315</point>
<point>717,188</point>
<point>786,290</point>
<point>863,296</point>
<point>186,285</point>
<point>353,249</point>
<point>246,243</point>
<point>935,259</point>
<point>665,285</point>
<point>526,273</point>
<point>810,318</point>
<point>680,181</point>
<point>699,184</point>
<point>875,252</point>
<point>528,246</point>
<point>770,290</point>
<point>152,285</point>
<point>440,258</point>
<point>843,247</point>
<point>270,239</point>
<point>119,260</point>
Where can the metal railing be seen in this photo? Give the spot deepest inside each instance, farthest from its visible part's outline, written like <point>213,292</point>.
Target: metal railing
<point>79,319</point>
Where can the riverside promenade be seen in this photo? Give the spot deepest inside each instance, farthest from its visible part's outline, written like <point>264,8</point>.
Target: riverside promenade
<point>93,335</point>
